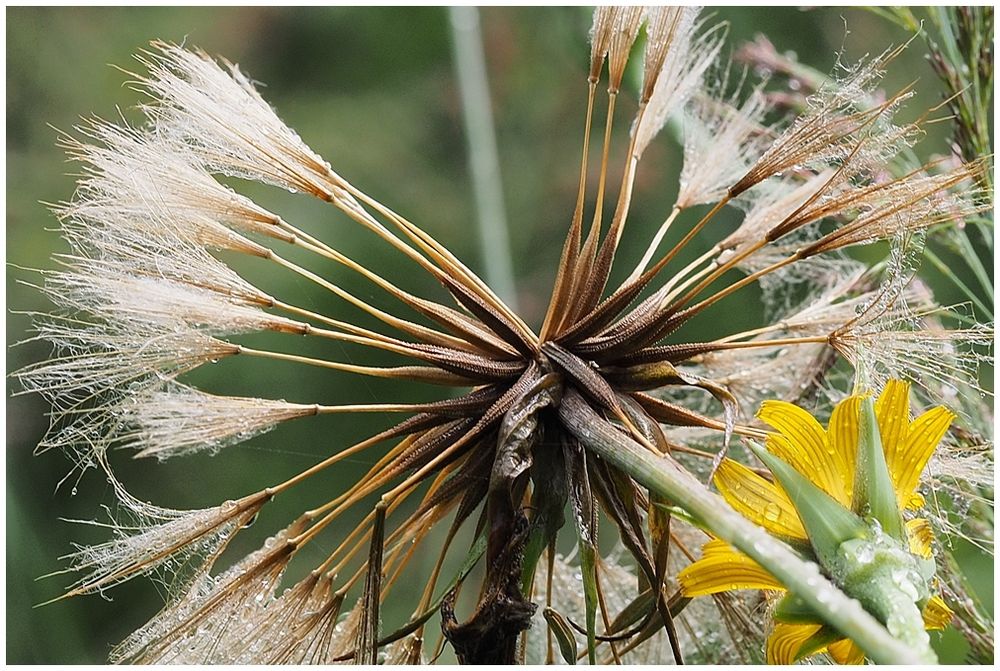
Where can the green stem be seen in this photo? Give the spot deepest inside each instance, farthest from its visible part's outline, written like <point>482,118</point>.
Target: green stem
<point>972,258</point>
<point>665,477</point>
<point>949,274</point>
<point>903,617</point>
<point>484,162</point>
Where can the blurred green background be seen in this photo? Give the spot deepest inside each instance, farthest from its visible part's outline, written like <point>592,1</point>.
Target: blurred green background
<point>374,92</point>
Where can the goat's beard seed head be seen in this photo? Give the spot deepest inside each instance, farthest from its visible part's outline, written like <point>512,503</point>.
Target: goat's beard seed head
<point>145,297</point>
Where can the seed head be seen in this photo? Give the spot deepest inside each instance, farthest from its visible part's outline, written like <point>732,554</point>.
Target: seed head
<point>149,293</point>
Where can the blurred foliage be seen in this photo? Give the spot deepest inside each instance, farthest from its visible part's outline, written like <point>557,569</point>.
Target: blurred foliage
<point>373,91</point>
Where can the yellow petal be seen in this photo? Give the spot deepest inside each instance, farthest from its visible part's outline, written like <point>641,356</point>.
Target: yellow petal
<point>843,438</point>
<point>845,651</point>
<point>762,502</point>
<point>721,569</point>
<point>919,533</point>
<point>716,547</point>
<point>785,640</point>
<point>893,412</point>
<point>803,444</point>
<point>936,613</point>
<point>906,463</point>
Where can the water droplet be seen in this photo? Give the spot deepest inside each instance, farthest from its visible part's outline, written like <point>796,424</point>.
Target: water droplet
<point>772,512</point>
<point>904,580</point>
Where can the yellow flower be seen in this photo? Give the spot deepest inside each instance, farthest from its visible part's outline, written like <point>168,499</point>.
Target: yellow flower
<point>827,458</point>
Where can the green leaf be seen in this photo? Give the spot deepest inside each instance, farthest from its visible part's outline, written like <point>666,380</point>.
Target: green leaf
<point>635,610</point>
<point>532,553</point>
<point>563,634</point>
<point>822,638</point>
<point>874,492</point>
<point>366,647</point>
<point>588,568</point>
<point>827,523</point>
<point>475,554</point>
<point>681,514</point>
<point>548,503</point>
<point>793,609</point>
<point>585,516</point>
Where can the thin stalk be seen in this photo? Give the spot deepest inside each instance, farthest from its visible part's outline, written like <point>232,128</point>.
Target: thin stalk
<point>693,232</point>
<point>305,241</point>
<point>331,460</point>
<point>585,265</point>
<point>409,544</point>
<point>428,594</point>
<point>348,330</point>
<point>597,279</point>
<point>654,244</point>
<point>377,476</point>
<point>735,286</point>
<point>676,249</point>
<point>742,335</point>
<point>571,248</point>
<point>626,187</point>
<point>335,507</point>
<point>722,269</point>
<point>720,345</point>
<point>665,477</point>
<point>667,293</point>
<point>417,477</point>
<point>972,258</point>
<point>479,338</point>
<point>423,373</point>
<point>494,237</point>
<point>427,335</point>
<point>595,225</point>
<point>401,324</point>
<point>949,274</point>
<point>355,211</point>
<point>366,338</point>
<point>364,529</point>
<point>355,541</point>
<point>371,407</point>
<point>443,257</point>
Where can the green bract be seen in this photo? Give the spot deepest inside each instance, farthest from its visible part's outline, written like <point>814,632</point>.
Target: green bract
<point>828,524</point>
<point>874,494</point>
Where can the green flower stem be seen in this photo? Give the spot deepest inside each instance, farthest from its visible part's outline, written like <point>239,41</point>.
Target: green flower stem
<point>890,583</point>
<point>903,617</point>
<point>667,478</point>
<point>484,161</point>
